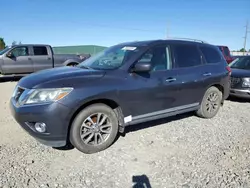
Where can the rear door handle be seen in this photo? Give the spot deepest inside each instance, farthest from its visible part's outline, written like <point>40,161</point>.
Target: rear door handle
<point>207,74</point>
<point>170,79</point>
<point>29,58</point>
<point>49,58</point>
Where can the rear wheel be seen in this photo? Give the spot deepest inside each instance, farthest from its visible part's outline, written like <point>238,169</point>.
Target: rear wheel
<point>211,103</point>
<point>94,129</point>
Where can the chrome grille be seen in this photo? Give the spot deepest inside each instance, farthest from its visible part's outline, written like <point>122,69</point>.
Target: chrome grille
<point>235,81</point>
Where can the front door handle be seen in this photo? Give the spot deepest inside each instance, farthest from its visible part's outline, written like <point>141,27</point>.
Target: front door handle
<point>170,79</point>
<point>207,74</point>
<point>29,58</point>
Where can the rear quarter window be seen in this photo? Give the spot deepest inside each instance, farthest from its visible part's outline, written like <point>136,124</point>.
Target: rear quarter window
<point>211,54</point>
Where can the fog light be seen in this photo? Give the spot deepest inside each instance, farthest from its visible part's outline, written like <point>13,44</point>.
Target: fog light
<point>40,127</point>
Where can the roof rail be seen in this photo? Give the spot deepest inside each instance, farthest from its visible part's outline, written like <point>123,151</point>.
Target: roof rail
<point>188,39</point>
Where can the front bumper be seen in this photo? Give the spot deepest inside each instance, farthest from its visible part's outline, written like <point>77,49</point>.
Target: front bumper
<point>241,93</point>
<point>54,115</point>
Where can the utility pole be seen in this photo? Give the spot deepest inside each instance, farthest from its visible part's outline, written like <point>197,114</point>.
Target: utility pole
<point>245,38</point>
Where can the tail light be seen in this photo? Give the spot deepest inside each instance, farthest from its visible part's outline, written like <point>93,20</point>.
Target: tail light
<point>229,70</point>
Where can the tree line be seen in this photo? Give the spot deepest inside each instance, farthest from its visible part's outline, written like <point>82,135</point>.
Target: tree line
<point>241,50</point>
<point>3,44</point>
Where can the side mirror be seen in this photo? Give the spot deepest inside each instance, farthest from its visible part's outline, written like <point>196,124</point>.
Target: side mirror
<point>143,66</point>
<point>10,55</point>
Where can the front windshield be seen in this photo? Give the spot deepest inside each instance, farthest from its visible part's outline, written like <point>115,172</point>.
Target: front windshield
<point>241,63</point>
<point>111,58</point>
<point>3,51</point>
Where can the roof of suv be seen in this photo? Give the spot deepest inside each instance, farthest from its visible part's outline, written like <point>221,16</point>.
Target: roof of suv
<point>153,42</point>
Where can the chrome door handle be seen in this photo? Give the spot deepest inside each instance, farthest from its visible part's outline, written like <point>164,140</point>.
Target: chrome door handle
<point>207,74</point>
<point>170,79</point>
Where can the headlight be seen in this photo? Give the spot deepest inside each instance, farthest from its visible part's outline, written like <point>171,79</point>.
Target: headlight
<point>46,95</point>
<point>246,82</point>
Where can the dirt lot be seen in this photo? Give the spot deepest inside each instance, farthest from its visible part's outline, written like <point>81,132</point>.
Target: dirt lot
<point>183,151</point>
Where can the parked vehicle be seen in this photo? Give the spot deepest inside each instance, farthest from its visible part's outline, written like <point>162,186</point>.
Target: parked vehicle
<point>84,56</point>
<point>226,52</point>
<point>88,105</point>
<point>240,78</point>
<point>25,59</point>
<point>236,56</point>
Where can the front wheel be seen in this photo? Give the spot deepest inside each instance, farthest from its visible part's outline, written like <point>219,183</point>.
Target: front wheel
<point>211,103</point>
<point>94,129</point>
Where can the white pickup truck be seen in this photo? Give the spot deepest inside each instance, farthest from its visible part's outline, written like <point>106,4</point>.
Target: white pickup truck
<point>25,59</point>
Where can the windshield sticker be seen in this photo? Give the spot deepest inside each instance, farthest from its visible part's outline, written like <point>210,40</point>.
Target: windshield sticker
<point>130,48</point>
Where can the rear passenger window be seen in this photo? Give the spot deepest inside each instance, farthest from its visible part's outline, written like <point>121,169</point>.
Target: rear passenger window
<point>40,50</point>
<point>211,55</point>
<point>186,56</point>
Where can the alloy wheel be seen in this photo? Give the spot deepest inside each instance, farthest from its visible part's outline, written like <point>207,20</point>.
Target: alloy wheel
<point>96,129</point>
<point>212,102</point>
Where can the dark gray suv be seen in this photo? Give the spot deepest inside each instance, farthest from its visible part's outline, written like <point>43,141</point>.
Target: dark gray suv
<point>126,84</point>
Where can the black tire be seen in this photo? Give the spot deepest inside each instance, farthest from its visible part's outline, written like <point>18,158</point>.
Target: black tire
<point>207,103</point>
<point>67,147</point>
<point>77,129</point>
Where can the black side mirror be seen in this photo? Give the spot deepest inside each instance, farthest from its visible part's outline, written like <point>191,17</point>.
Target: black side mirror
<point>10,55</point>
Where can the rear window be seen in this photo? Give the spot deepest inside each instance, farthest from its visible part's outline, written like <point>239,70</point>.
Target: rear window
<point>40,50</point>
<point>211,55</point>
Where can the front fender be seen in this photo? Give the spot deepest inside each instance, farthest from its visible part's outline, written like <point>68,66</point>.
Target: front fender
<point>81,102</point>
<point>88,97</point>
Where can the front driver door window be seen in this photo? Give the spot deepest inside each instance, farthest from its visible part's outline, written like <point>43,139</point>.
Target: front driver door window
<point>20,51</point>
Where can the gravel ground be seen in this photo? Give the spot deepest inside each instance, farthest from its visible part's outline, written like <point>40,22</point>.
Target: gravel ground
<point>184,151</point>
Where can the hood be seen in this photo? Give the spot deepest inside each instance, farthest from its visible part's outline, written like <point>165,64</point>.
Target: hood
<point>240,73</point>
<point>60,77</point>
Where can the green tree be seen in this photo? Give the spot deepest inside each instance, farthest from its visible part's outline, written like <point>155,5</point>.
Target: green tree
<point>242,50</point>
<point>2,43</point>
